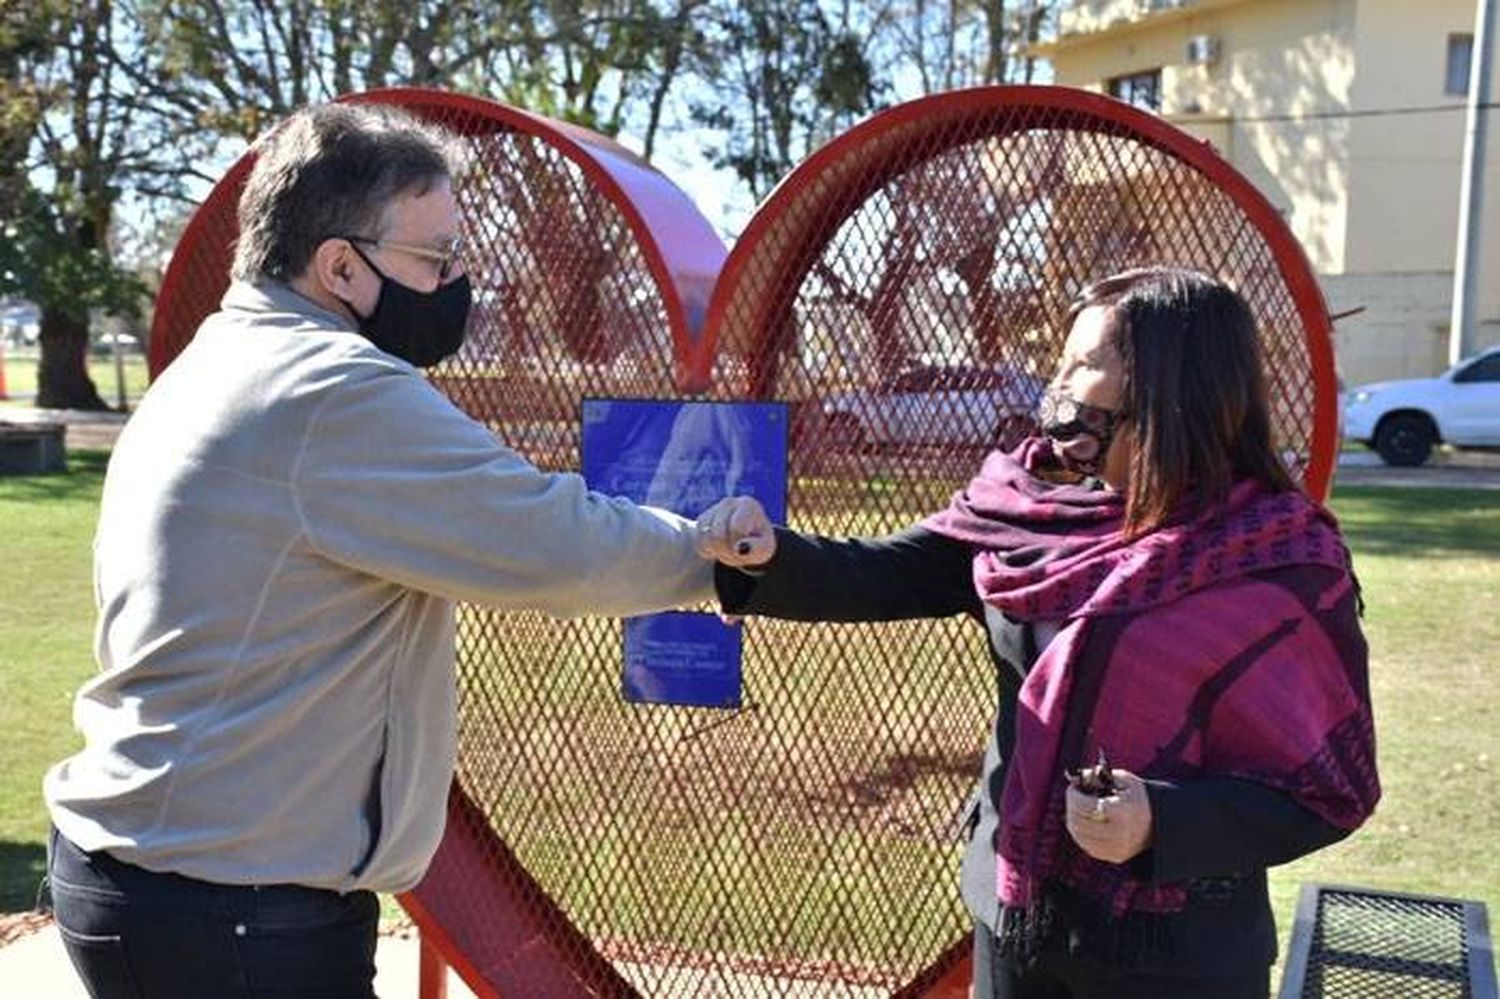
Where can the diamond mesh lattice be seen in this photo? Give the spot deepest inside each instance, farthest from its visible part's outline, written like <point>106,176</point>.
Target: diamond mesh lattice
<point>801,846</point>
<point>906,297</point>
<point>1374,945</point>
<point>959,245</point>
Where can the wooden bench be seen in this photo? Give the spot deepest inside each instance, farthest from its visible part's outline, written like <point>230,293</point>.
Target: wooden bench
<point>32,448</point>
<point>1362,942</point>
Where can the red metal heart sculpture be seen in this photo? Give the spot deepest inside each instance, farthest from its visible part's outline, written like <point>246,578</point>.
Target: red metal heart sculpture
<point>902,289</point>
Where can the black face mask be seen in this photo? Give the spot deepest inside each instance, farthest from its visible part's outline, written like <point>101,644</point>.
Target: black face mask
<point>1081,433</point>
<point>421,328</point>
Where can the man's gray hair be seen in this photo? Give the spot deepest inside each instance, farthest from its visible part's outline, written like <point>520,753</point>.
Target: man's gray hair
<point>331,170</point>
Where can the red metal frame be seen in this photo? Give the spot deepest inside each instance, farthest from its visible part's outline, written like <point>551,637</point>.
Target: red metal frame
<point>680,246</point>
<point>532,950</point>
<point>198,273</point>
<point>789,217</point>
<point>432,970</point>
<point>537,951</point>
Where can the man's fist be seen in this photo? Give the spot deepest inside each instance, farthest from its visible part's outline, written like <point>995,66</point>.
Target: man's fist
<point>737,532</point>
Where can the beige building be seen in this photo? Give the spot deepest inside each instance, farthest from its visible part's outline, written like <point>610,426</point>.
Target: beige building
<point>1349,117</point>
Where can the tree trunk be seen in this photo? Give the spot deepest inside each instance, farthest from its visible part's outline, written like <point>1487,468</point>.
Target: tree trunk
<point>62,377</point>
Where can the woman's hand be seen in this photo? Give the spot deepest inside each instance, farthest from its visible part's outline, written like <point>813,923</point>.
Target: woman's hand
<point>737,532</point>
<point>1116,828</point>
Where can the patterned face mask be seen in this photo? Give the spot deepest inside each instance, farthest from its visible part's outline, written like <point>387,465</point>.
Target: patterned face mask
<point>1081,432</point>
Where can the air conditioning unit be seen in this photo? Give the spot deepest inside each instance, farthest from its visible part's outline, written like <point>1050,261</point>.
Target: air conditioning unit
<point>1203,50</point>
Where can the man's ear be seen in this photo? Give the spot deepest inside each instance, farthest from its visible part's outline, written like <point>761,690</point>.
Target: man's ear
<point>333,267</point>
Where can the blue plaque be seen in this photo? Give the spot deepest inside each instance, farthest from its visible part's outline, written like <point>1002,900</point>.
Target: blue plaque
<point>685,457</point>
<point>682,658</point>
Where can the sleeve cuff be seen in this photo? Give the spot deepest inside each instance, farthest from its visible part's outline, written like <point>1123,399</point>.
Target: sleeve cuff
<point>734,587</point>
<point>1146,865</point>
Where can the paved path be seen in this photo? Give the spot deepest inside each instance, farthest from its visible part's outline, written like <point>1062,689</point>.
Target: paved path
<point>1447,470</point>
<point>95,431</point>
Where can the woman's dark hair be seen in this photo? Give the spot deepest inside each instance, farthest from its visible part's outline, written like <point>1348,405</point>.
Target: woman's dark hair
<point>331,170</point>
<point>1194,393</point>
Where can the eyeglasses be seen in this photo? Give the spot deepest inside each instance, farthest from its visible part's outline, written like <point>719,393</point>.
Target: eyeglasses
<point>446,259</point>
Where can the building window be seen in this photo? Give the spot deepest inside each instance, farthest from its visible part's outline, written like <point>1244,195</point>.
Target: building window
<point>1141,89</point>
<point>1460,49</point>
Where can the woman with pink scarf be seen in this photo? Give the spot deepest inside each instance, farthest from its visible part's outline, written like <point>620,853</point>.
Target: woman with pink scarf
<point>1157,591</point>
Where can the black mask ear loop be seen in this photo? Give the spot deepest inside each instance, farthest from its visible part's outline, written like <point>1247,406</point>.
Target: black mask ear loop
<point>359,320</point>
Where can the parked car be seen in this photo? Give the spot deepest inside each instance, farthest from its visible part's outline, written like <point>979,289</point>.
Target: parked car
<point>104,346</point>
<point>936,404</point>
<point>1402,420</point>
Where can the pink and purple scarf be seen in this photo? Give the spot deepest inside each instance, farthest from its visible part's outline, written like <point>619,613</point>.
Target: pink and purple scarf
<point>1225,644</point>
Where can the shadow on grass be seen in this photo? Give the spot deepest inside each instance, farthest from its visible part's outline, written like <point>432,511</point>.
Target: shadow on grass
<point>901,772</point>
<point>21,868</point>
<point>80,482</point>
<point>1419,523</point>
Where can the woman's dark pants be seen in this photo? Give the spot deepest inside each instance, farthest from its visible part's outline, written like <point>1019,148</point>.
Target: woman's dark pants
<point>1057,975</point>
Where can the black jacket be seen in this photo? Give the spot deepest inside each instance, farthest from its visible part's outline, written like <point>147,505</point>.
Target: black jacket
<point>1216,834</point>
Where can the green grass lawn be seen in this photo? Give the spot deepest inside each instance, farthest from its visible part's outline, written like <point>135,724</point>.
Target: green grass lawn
<point>1429,561</point>
<point>1429,564</point>
<point>20,378</point>
<point>46,618</point>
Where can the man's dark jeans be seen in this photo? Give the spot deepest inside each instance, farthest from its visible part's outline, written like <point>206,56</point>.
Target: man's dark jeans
<point>135,934</point>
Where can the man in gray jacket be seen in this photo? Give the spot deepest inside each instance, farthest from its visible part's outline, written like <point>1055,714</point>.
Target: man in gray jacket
<point>287,522</point>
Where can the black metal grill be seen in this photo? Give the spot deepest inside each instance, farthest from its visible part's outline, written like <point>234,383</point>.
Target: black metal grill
<point>1360,944</point>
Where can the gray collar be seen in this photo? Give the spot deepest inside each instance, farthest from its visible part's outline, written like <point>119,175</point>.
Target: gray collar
<point>267,295</point>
